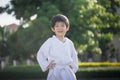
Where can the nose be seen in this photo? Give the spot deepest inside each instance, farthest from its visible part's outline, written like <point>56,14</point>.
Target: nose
<point>60,27</point>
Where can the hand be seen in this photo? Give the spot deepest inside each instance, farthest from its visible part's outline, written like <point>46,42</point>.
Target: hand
<point>51,65</point>
<point>71,66</point>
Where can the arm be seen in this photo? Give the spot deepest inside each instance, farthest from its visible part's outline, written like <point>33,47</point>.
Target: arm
<point>42,60</point>
<point>42,56</point>
<point>74,64</point>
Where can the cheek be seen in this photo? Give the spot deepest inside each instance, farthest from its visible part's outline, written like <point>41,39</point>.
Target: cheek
<point>66,29</point>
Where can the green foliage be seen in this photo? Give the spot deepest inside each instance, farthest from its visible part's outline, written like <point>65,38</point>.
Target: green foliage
<point>26,41</point>
<point>4,47</point>
<point>88,26</point>
<point>99,64</point>
<point>95,26</point>
<point>22,72</point>
<point>93,23</point>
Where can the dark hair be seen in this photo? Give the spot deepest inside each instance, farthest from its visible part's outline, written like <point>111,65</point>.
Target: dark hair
<point>61,18</point>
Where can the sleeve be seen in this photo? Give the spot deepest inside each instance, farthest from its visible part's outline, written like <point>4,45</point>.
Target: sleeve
<point>74,56</point>
<point>42,56</point>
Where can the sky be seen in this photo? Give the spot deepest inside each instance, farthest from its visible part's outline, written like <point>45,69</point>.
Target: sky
<point>6,19</point>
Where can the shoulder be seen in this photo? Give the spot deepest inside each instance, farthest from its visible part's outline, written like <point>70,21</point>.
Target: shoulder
<point>69,41</point>
<point>48,41</point>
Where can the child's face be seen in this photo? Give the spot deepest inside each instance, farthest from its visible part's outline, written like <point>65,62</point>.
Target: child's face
<point>60,29</point>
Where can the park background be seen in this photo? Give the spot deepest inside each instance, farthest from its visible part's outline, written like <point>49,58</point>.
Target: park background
<point>94,29</point>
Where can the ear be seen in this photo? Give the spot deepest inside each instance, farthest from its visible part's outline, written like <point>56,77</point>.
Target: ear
<point>52,29</point>
<point>68,28</point>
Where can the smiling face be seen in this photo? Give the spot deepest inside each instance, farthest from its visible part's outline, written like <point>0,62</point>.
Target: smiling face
<point>60,29</point>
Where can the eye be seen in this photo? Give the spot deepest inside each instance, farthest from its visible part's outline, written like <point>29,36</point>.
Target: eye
<point>56,26</point>
<point>63,25</point>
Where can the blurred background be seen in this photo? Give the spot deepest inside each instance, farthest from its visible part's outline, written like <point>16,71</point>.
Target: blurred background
<point>94,29</point>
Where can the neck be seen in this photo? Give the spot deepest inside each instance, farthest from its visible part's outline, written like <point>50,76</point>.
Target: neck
<point>61,38</point>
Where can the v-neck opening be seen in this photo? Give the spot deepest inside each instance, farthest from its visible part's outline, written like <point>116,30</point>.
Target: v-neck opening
<point>60,40</point>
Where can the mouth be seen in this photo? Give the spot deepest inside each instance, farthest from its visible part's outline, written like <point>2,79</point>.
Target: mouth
<point>60,31</point>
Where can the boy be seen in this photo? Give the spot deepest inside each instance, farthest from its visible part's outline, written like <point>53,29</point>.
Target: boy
<point>58,54</point>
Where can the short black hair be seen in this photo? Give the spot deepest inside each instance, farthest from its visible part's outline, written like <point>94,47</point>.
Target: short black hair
<point>61,18</point>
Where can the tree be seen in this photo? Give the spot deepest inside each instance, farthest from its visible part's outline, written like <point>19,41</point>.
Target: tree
<point>26,41</point>
<point>95,27</point>
<point>4,47</point>
<point>93,23</point>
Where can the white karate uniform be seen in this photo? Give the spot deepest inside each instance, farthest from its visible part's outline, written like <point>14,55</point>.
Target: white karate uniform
<point>63,54</point>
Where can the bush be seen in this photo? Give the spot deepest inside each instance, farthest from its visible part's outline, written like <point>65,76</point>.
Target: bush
<point>98,72</point>
<point>98,64</point>
<point>34,72</point>
<point>22,71</point>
